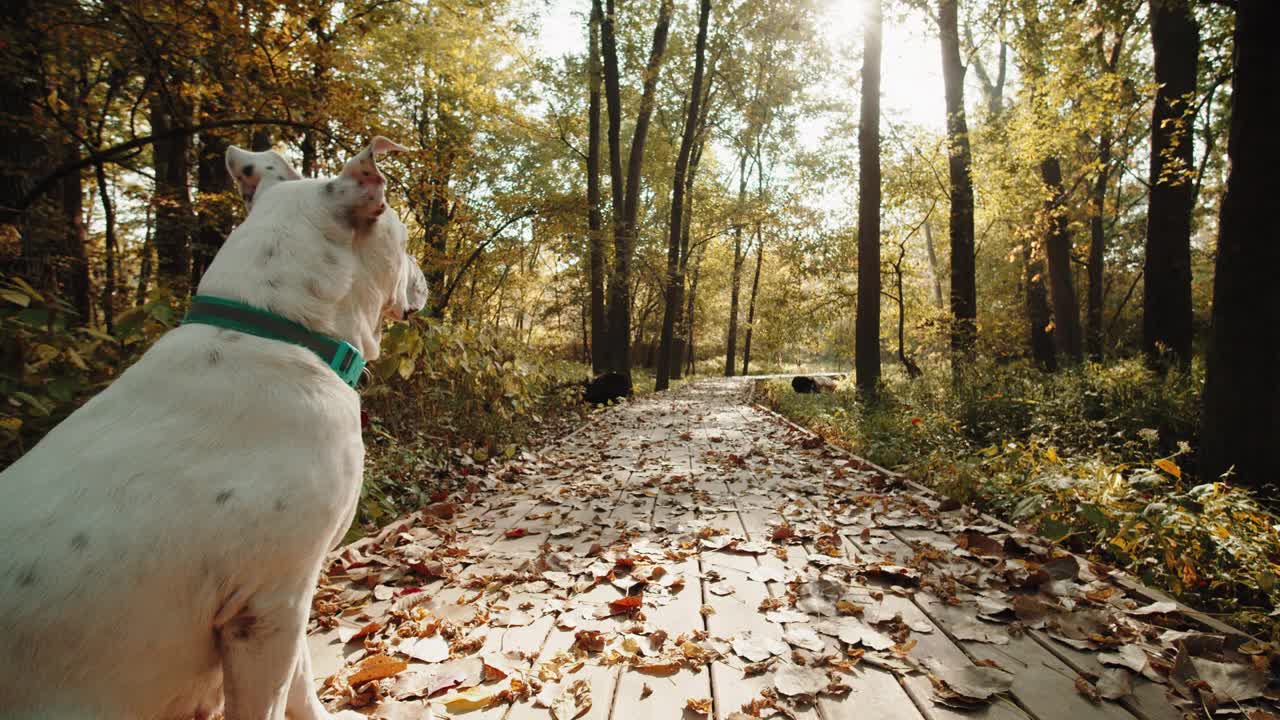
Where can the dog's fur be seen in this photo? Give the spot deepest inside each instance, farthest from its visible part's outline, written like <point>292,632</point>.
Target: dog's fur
<point>159,548</point>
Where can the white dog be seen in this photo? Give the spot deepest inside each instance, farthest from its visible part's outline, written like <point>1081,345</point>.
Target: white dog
<point>160,547</point>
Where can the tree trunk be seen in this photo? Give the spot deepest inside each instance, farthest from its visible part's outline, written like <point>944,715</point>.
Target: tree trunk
<point>72,266</point>
<point>261,140</point>
<point>935,272</point>
<point>1095,334</point>
<point>172,201</point>
<point>1241,419</point>
<point>21,149</point>
<point>964,293</point>
<point>1097,249</point>
<point>111,248</point>
<point>751,304</point>
<point>731,343</point>
<point>1042,351</point>
<point>619,316</point>
<point>1057,243</point>
<point>144,263</point>
<point>867,320</point>
<point>1166,296</point>
<point>215,202</point>
<point>595,220</point>
<point>674,279</point>
<point>690,357</point>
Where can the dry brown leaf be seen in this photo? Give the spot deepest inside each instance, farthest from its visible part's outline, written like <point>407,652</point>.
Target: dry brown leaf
<point>376,667</point>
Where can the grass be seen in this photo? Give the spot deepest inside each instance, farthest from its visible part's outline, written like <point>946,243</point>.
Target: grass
<point>1096,458</point>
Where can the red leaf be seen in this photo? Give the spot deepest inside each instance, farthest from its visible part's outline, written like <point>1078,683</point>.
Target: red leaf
<point>626,604</point>
<point>516,533</point>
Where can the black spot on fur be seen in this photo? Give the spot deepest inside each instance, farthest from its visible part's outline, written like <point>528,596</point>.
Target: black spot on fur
<point>268,252</point>
<point>215,357</point>
<point>223,497</point>
<point>80,541</point>
<point>328,187</point>
<point>242,628</point>
<point>330,257</point>
<point>248,170</point>
<point>28,576</point>
<point>273,283</point>
<point>280,178</point>
<point>271,167</point>
<point>281,505</point>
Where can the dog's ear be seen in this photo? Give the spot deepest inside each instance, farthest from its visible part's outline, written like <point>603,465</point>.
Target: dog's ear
<point>254,172</point>
<point>363,170</point>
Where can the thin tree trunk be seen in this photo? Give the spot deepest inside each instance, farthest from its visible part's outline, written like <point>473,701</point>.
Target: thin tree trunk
<point>110,249</point>
<point>1095,334</point>
<point>1166,301</point>
<point>731,343</point>
<point>595,220</point>
<point>867,319</point>
<point>1098,249</point>
<point>690,319</point>
<point>72,270</point>
<point>144,263</point>
<point>1057,243</point>
<point>1241,420</point>
<point>751,304</point>
<point>1042,343</point>
<point>619,316</point>
<point>935,272</point>
<point>674,279</point>
<point>964,294</point>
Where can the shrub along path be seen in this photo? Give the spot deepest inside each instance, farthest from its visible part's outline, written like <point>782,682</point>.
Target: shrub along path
<point>690,555</point>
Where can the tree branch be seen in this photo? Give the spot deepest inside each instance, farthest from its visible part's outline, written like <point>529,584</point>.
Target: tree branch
<point>44,184</point>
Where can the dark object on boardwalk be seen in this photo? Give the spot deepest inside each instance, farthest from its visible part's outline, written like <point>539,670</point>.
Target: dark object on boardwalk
<point>809,385</point>
<point>606,388</point>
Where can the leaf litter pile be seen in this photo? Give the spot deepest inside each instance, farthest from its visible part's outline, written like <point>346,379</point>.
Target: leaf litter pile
<point>689,554</point>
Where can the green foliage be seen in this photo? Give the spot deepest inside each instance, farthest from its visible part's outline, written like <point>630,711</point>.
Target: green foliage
<point>446,397</point>
<point>49,364</point>
<point>1091,458</point>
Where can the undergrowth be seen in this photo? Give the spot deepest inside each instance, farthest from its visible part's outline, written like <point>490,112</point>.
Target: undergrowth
<point>1096,458</point>
<point>442,402</point>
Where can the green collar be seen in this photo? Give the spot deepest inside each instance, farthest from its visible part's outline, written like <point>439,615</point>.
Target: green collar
<point>339,355</point>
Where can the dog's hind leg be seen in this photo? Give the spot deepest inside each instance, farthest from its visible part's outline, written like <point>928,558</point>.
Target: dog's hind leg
<point>303,704</point>
<point>259,647</point>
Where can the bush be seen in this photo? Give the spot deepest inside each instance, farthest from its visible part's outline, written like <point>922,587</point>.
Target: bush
<point>1090,457</point>
<point>50,364</point>
<point>442,399</point>
<point>447,397</point>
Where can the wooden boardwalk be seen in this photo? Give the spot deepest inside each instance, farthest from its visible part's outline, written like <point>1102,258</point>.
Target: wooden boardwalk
<point>689,555</point>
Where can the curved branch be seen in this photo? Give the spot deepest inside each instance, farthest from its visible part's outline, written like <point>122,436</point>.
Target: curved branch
<point>44,184</point>
<point>443,302</point>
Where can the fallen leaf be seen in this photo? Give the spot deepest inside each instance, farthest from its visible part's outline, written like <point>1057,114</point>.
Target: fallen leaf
<point>702,706</point>
<point>475,698</point>
<point>797,680</point>
<point>428,649</point>
<point>376,667</point>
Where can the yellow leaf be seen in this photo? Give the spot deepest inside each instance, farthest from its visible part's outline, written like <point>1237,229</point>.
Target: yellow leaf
<point>1170,467</point>
<point>376,668</point>
<point>470,699</point>
<point>11,424</point>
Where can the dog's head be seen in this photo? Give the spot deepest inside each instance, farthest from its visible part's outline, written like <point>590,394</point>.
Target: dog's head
<point>327,252</point>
